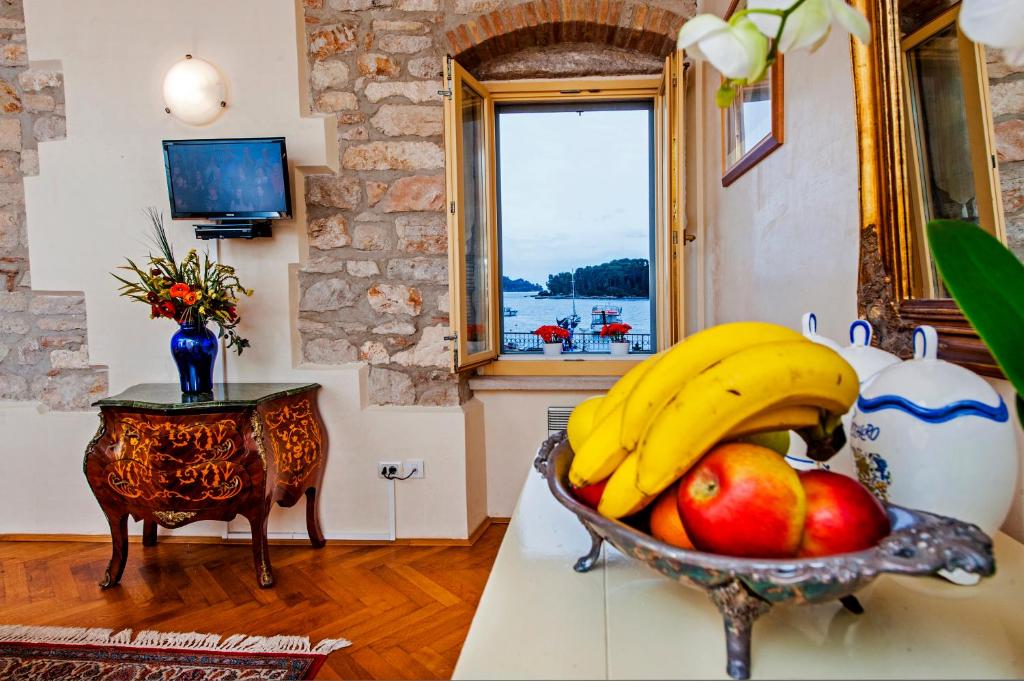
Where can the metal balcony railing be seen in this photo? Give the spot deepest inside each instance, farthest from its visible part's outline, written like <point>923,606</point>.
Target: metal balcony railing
<point>519,341</point>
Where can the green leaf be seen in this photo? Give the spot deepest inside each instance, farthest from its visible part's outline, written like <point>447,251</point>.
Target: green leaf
<point>987,282</point>
<point>725,95</point>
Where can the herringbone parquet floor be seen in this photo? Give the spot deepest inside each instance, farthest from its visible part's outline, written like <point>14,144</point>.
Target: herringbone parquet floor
<point>406,609</point>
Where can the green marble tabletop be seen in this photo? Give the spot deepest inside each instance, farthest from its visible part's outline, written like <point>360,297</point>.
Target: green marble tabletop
<point>168,396</point>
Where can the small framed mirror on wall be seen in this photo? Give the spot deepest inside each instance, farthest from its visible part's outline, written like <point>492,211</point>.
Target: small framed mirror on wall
<point>928,150</point>
<point>752,125</point>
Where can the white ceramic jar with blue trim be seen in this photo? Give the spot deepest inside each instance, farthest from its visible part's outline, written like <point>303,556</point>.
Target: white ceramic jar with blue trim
<point>934,436</point>
<point>868,361</point>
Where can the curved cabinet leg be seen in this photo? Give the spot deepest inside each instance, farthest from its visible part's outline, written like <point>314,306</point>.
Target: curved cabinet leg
<point>260,550</point>
<point>119,541</point>
<point>316,536</point>
<point>587,562</point>
<point>149,533</point>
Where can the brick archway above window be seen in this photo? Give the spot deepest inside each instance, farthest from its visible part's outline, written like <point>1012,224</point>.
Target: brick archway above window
<point>619,26</point>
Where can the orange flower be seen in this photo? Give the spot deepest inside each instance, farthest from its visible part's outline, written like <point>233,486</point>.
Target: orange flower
<point>179,290</point>
<point>190,298</point>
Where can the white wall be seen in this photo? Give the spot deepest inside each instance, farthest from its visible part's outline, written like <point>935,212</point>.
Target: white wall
<point>783,239</point>
<point>84,216</point>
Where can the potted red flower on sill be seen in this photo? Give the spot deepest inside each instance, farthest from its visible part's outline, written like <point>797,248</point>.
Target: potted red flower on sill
<point>552,336</point>
<point>617,333</point>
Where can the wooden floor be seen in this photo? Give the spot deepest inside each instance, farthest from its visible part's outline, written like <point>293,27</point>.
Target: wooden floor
<point>406,609</point>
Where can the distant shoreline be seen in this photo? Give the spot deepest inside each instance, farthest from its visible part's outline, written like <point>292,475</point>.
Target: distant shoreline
<point>579,297</point>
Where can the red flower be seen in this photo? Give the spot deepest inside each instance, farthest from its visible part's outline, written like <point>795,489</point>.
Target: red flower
<point>179,290</point>
<point>232,313</point>
<point>167,308</point>
<point>615,331</point>
<point>190,298</point>
<point>550,333</point>
<point>155,272</point>
<point>154,311</point>
<point>152,298</point>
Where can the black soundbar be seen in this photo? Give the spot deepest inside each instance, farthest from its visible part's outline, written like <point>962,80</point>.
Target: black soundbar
<point>234,230</point>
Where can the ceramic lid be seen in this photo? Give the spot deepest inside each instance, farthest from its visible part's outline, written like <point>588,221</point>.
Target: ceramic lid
<point>930,383</point>
<point>809,325</point>
<point>865,359</point>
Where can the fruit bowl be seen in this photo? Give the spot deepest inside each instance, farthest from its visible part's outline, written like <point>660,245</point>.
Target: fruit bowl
<point>743,589</point>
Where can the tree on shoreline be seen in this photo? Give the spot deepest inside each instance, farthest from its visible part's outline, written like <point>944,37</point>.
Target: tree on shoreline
<point>622,278</point>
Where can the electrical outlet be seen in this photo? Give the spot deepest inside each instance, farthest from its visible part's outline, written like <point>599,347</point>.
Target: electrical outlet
<point>389,469</point>
<point>410,465</point>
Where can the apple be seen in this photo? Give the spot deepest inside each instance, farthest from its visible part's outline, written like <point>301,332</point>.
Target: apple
<point>842,515</point>
<point>590,495</point>
<point>743,500</point>
<point>666,525</point>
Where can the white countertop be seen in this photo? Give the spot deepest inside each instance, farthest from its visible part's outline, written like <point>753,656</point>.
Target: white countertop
<point>540,619</point>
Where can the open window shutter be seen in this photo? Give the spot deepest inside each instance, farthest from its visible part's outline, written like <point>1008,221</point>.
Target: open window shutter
<point>670,199</point>
<point>472,231</point>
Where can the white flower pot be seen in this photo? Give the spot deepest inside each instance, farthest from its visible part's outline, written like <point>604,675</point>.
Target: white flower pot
<point>552,349</point>
<point>619,349</point>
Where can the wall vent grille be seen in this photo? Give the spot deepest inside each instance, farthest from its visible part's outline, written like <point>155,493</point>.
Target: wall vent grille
<point>558,418</point>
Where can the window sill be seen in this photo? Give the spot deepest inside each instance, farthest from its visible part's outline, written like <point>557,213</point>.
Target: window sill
<point>563,366</point>
<point>541,383</point>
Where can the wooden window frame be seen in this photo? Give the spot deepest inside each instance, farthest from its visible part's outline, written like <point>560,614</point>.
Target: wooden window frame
<point>666,92</point>
<point>889,292</point>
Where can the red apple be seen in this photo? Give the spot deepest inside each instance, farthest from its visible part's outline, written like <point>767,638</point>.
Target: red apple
<point>842,515</point>
<point>591,494</point>
<point>743,500</point>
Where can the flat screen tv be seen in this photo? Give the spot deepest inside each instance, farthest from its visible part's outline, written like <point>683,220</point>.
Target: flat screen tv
<point>228,178</point>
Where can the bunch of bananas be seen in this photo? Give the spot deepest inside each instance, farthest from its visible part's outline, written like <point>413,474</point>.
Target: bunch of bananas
<point>723,383</point>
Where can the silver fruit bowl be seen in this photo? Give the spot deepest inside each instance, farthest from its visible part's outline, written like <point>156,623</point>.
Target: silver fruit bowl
<point>743,589</point>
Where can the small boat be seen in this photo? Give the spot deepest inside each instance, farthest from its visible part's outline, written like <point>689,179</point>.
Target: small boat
<point>604,314</point>
<point>510,311</point>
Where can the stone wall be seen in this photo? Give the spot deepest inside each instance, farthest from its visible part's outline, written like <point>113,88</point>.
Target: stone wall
<point>374,286</point>
<point>43,351</point>
<point>1006,92</point>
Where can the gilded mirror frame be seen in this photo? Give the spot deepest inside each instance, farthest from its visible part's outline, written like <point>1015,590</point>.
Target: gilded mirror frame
<point>885,287</point>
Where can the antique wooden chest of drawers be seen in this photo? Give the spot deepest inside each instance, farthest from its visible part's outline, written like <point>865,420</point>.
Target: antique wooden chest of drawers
<point>236,452</point>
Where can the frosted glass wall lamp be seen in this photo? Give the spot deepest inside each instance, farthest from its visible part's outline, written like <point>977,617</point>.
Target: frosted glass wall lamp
<point>194,91</point>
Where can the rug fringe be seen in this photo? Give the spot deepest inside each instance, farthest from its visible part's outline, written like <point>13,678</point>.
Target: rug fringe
<point>239,643</point>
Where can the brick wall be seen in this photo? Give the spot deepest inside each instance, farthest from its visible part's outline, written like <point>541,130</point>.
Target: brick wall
<point>1006,91</point>
<point>43,351</point>
<point>374,285</point>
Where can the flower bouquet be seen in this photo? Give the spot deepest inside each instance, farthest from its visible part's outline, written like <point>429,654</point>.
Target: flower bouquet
<point>193,293</point>
<point>553,336</point>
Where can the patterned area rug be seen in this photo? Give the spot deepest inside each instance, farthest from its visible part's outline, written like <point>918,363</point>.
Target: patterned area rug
<point>66,653</point>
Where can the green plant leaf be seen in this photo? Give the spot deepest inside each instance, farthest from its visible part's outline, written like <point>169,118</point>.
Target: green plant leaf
<point>987,281</point>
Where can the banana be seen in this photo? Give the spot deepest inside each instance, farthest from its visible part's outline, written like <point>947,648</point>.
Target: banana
<point>707,408</point>
<point>618,392</point>
<point>621,497</point>
<point>777,418</point>
<point>581,420</point>
<point>684,361</point>
<point>600,454</point>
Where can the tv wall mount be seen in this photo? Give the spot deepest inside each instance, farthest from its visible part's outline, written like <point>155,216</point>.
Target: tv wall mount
<point>234,229</point>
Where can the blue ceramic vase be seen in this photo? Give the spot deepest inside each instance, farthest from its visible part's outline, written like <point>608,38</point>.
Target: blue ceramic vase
<point>194,348</point>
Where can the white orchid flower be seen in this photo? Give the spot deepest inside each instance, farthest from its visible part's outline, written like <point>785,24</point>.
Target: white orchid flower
<point>996,23</point>
<point>808,27</point>
<point>737,49</point>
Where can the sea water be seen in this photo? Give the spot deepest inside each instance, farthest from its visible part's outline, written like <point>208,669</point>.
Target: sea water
<point>534,312</point>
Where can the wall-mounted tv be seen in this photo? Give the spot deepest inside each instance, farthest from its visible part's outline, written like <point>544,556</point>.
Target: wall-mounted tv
<point>228,178</point>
